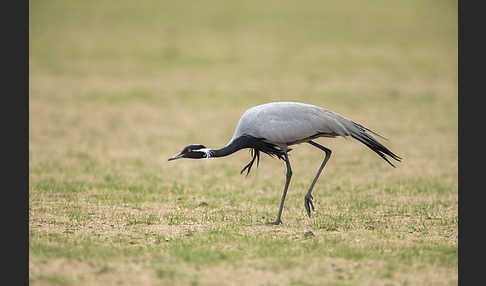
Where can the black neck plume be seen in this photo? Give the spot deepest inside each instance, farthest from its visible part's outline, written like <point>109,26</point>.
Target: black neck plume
<point>247,141</point>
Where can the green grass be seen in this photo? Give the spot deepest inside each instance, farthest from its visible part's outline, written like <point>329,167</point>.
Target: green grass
<point>117,88</point>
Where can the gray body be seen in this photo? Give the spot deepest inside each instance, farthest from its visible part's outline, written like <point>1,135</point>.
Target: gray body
<point>288,123</point>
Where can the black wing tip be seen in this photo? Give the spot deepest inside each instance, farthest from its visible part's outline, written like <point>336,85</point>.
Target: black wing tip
<point>371,131</point>
<point>377,147</point>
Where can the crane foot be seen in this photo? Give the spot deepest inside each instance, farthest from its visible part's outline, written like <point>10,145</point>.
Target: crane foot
<point>308,203</point>
<point>276,222</point>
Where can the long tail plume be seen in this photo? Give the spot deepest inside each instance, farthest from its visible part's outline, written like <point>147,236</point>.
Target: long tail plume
<point>373,144</point>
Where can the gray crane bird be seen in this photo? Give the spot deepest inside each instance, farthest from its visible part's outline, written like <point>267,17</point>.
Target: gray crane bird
<point>271,128</point>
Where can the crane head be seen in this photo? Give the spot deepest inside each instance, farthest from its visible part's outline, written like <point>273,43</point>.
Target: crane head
<point>193,151</point>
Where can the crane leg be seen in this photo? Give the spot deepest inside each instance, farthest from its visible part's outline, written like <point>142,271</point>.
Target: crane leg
<point>308,197</point>
<point>287,181</point>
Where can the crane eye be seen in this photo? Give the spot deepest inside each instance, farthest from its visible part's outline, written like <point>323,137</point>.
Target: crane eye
<point>189,150</point>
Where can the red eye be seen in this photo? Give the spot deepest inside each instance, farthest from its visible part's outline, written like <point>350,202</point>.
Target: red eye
<point>188,150</point>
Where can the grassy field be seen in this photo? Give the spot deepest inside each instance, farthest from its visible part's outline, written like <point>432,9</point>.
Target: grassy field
<point>117,87</point>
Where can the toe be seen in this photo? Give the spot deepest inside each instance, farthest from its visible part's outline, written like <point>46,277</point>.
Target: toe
<point>307,208</point>
<point>276,222</point>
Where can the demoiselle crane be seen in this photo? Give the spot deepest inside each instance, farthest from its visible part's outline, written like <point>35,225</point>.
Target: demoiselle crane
<point>271,128</point>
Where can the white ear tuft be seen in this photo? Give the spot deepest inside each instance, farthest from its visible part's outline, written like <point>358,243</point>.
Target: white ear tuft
<point>206,151</point>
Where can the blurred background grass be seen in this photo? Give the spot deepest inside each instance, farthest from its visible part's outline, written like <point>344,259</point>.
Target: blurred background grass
<point>390,66</point>
<point>116,87</point>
